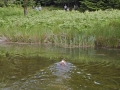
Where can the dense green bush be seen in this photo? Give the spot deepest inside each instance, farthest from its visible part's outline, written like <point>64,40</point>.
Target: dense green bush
<point>91,5</point>
<point>1,3</point>
<point>59,27</point>
<point>99,4</point>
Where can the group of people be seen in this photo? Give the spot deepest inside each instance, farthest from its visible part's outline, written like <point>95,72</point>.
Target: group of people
<point>67,8</point>
<point>38,8</point>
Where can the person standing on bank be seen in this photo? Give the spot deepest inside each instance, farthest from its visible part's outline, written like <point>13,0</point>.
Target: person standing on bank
<point>65,8</point>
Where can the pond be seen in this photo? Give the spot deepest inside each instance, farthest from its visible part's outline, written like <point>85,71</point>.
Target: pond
<point>37,67</point>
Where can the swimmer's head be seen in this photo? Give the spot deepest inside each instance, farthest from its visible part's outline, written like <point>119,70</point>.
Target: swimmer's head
<point>62,62</point>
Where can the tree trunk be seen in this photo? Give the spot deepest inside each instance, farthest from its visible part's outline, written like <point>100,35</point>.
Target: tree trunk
<point>25,7</point>
<point>25,10</point>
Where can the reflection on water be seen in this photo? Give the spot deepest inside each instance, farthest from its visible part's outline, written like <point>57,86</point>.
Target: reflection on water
<point>36,67</point>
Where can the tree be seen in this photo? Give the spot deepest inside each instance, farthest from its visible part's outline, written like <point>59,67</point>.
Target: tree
<point>93,5</point>
<point>114,4</point>
<point>25,4</point>
<point>68,2</point>
<point>25,7</point>
<point>46,2</point>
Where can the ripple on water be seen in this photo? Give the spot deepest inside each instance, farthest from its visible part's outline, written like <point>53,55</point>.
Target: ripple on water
<point>62,71</point>
<point>13,77</point>
<point>86,77</point>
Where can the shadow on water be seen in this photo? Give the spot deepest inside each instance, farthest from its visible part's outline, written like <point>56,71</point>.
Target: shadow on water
<point>37,67</point>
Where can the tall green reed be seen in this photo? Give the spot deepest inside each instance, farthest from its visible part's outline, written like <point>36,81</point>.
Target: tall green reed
<point>71,29</point>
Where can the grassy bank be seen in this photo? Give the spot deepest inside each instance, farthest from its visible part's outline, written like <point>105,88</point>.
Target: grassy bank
<point>68,29</point>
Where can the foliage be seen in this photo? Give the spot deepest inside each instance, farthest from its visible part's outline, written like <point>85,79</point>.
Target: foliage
<point>91,5</point>
<point>108,35</point>
<point>99,4</point>
<point>1,3</point>
<point>67,29</point>
<point>21,2</point>
<point>45,2</point>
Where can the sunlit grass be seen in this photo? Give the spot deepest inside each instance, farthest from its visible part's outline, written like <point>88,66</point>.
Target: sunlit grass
<point>68,29</point>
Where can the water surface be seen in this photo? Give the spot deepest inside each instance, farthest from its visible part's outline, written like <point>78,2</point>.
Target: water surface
<point>35,67</point>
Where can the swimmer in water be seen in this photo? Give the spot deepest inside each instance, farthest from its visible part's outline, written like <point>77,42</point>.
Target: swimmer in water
<point>63,62</point>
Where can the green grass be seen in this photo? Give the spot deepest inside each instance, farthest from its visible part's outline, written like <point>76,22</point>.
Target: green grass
<point>67,29</point>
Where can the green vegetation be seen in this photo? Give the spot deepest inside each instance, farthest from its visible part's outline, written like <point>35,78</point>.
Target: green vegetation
<point>68,29</point>
<point>99,4</point>
<point>83,4</point>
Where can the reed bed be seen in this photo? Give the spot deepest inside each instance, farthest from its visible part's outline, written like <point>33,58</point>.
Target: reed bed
<point>67,29</point>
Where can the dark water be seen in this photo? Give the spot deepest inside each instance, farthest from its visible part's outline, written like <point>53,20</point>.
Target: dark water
<point>36,67</point>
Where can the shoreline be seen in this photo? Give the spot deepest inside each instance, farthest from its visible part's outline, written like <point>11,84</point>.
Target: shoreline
<point>59,45</point>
